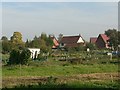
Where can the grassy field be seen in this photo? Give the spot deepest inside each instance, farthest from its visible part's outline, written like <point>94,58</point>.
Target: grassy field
<point>53,73</point>
<point>96,72</point>
<point>57,70</point>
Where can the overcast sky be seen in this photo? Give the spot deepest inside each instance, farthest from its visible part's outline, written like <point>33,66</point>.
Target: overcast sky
<point>86,18</point>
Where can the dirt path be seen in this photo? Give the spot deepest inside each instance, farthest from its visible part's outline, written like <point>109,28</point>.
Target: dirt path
<point>13,81</point>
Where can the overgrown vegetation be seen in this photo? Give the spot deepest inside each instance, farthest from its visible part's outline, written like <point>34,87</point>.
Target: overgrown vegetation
<point>72,85</point>
<point>54,74</point>
<point>19,57</point>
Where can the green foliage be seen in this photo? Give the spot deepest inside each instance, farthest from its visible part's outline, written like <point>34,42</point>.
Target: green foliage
<point>16,41</point>
<point>43,36</point>
<point>57,69</point>
<point>70,49</point>
<point>75,49</point>
<point>5,58</point>
<point>114,37</point>
<point>91,46</point>
<point>19,57</point>
<point>4,38</point>
<point>24,56</point>
<point>5,45</point>
<point>72,85</point>
<point>16,38</point>
<point>43,42</point>
<point>42,57</point>
<point>118,37</point>
<point>43,46</point>
<point>80,48</point>
<point>14,57</point>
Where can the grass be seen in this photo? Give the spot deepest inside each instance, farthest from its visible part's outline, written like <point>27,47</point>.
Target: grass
<point>67,74</point>
<point>49,69</point>
<point>73,84</point>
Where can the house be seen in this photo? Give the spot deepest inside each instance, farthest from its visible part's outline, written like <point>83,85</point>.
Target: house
<point>93,40</point>
<point>55,42</point>
<point>102,41</point>
<point>34,52</point>
<point>71,41</point>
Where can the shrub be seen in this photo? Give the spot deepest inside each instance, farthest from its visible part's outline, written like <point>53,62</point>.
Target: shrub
<point>42,57</point>
<point>14,57</point>
<point>18,57</point>
<point>24,56</point>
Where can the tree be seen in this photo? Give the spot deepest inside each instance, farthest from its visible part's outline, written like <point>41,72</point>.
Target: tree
<point>19,57</point>
<point>43,42</point>
<point>27,43</point>
<point>14,57</point>
<point>91,46</point>
<point>6,45</point>
<point>4,38</point>
<point>16,38</point>
<point>24,56</point>
<point>118,37</point>
<point>16,41</point>
<point>113,34</point>
<point>43,36</point>
<point>60,37</point>
<point>49,42</point>
<point>43,46</point>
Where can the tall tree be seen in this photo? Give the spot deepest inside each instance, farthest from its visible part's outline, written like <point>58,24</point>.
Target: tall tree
<point>16,38</point>
<point>6,45</point>
<point>43,36</point>
<point>60,37</point>
<point>43,42</point>
<point>113,34</point>
<point>4,38</point>
<point>16,41</point>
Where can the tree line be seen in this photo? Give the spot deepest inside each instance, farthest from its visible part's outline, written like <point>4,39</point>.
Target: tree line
<point>43,42</point>
<point>17,48</point>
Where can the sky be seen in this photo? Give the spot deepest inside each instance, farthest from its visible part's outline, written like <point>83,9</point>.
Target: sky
<point>69,18</point>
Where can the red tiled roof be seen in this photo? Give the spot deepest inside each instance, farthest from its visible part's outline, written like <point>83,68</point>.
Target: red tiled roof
<point>69,39</point>
<point>55,42</point>
<point>104,37</point>
<point>93,39</point>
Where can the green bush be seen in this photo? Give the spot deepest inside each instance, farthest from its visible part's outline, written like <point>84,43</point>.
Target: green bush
<point>24,56</point>
<point>14,57</point>
<point>19,57</point>
<point>41,57</point>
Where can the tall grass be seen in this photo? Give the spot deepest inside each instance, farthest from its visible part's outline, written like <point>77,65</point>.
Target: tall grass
<point>57,70</point>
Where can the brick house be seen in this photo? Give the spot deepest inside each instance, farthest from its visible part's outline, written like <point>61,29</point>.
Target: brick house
<point>93,40</point>
<point>71,41</point>
<point>102,41</point>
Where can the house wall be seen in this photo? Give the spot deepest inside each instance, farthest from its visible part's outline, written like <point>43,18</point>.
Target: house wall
<point>71,41</point>
<point>80,40</point>
<point>55,43</point>
<point>34,52</point>
<point>100,43</point>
